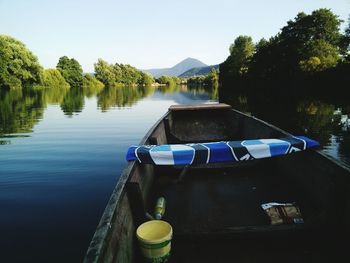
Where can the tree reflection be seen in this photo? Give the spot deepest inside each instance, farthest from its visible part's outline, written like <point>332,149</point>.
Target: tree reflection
<point>54,95</point>
<point>344,142</point>
<point>317,119</point>
<point>119,96</point>
<point>73,101</point>
<point>212,90</point>
<point>20,110</point>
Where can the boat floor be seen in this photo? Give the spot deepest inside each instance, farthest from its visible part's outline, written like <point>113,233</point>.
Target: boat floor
<point>287,250</point>
<point>210,200</point>
<point>216,216</point>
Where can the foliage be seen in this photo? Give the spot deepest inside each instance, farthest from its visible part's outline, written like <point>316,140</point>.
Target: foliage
<point>129,74</point>
<point>112,75</point>
<point>211,80</point>
<point>91,85</point>
<point>169,81</point>
<point>52,78</point>
<point>18,66</point>
<point>147,79</point>
<point>306,59</point>
<point>71,70</point>
<point>240,53</point>
<point>311,64</point>
<point>306,50</point>
<point>104,72</point>
<point>198,71</point>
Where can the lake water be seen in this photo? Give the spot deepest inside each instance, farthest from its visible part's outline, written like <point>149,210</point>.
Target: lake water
<point>61,153</point>
<point>60,158</point>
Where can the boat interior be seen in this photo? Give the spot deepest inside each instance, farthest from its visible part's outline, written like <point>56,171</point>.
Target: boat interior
<point>215,210</point>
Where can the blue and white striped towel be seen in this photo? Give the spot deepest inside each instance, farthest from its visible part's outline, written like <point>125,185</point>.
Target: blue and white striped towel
<point>217,152</point>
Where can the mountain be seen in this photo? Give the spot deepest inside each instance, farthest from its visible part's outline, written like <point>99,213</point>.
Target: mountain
<point>198,71</point>
<point>176,70</point>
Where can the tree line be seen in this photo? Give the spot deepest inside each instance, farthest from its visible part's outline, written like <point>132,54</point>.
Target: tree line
<point>20,68</point>
<point>120,74</point>
<point>210,80</point>
<point>308,57</point>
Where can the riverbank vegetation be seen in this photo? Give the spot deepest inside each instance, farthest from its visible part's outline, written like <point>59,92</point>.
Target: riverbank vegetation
<point>210,80</point>
<point>308,57</point>
<point>296,75</point>
<point>19,67</point>
<point>112,75</point>
<point>168,81</point>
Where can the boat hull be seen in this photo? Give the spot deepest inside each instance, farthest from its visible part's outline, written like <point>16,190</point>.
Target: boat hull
<point>215,208</point>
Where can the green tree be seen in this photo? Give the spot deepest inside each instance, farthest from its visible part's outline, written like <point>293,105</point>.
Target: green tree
<point>18,66</point>
<point>130,75</point>
<point>71,70</point>
<point>117,74</point>
<point>241,52</point>
<point>212,79</point>
<point>166,80</point>
<point>52,78</point>
<point>261,44</point>
<point>147,79</point>
<point>105,72</point>
<point>314,35</point>
<point>311,64</point>
<point>91,85</point>
<point>321,24</point>
<point>326,53</point>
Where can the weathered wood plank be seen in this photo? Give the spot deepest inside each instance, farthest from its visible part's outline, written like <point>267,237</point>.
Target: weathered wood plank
<point>137,204</point>
<point>218,106</point>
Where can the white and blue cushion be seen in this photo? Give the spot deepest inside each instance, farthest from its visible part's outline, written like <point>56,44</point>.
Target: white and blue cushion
<point>217,152</point>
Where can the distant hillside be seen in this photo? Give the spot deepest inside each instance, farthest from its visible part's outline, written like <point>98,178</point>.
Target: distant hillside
<point>176,70</point>
<point>198,71</point>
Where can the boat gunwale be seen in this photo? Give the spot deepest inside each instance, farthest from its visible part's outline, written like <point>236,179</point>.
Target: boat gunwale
<point>98,242</point>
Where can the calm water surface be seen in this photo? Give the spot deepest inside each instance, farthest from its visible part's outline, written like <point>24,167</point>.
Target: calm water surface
<point>61,153</point>
<point>60,158</point>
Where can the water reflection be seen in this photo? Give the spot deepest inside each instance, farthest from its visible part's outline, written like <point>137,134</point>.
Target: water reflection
<point>122,96</point>
<point>324,121</point>
<point>73,101</point>
<point>54,95</point>
<point>318,120</point>
<point>21,109</point>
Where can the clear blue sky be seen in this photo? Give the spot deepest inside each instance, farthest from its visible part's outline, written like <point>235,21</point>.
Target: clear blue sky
<point>147,34</point>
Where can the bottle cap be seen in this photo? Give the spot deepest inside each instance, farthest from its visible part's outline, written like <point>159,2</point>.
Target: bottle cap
<point>158,216</point>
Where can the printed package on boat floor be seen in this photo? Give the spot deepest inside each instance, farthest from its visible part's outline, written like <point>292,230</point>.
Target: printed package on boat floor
<point>283,213</point>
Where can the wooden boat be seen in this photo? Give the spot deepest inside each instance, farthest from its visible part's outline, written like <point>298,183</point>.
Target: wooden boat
<point>215,210</point>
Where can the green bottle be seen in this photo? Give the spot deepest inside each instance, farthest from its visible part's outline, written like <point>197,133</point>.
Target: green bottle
<point>160,208</point>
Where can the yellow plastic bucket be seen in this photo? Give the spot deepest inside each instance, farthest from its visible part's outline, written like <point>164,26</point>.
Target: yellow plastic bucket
<point>155,240</point>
